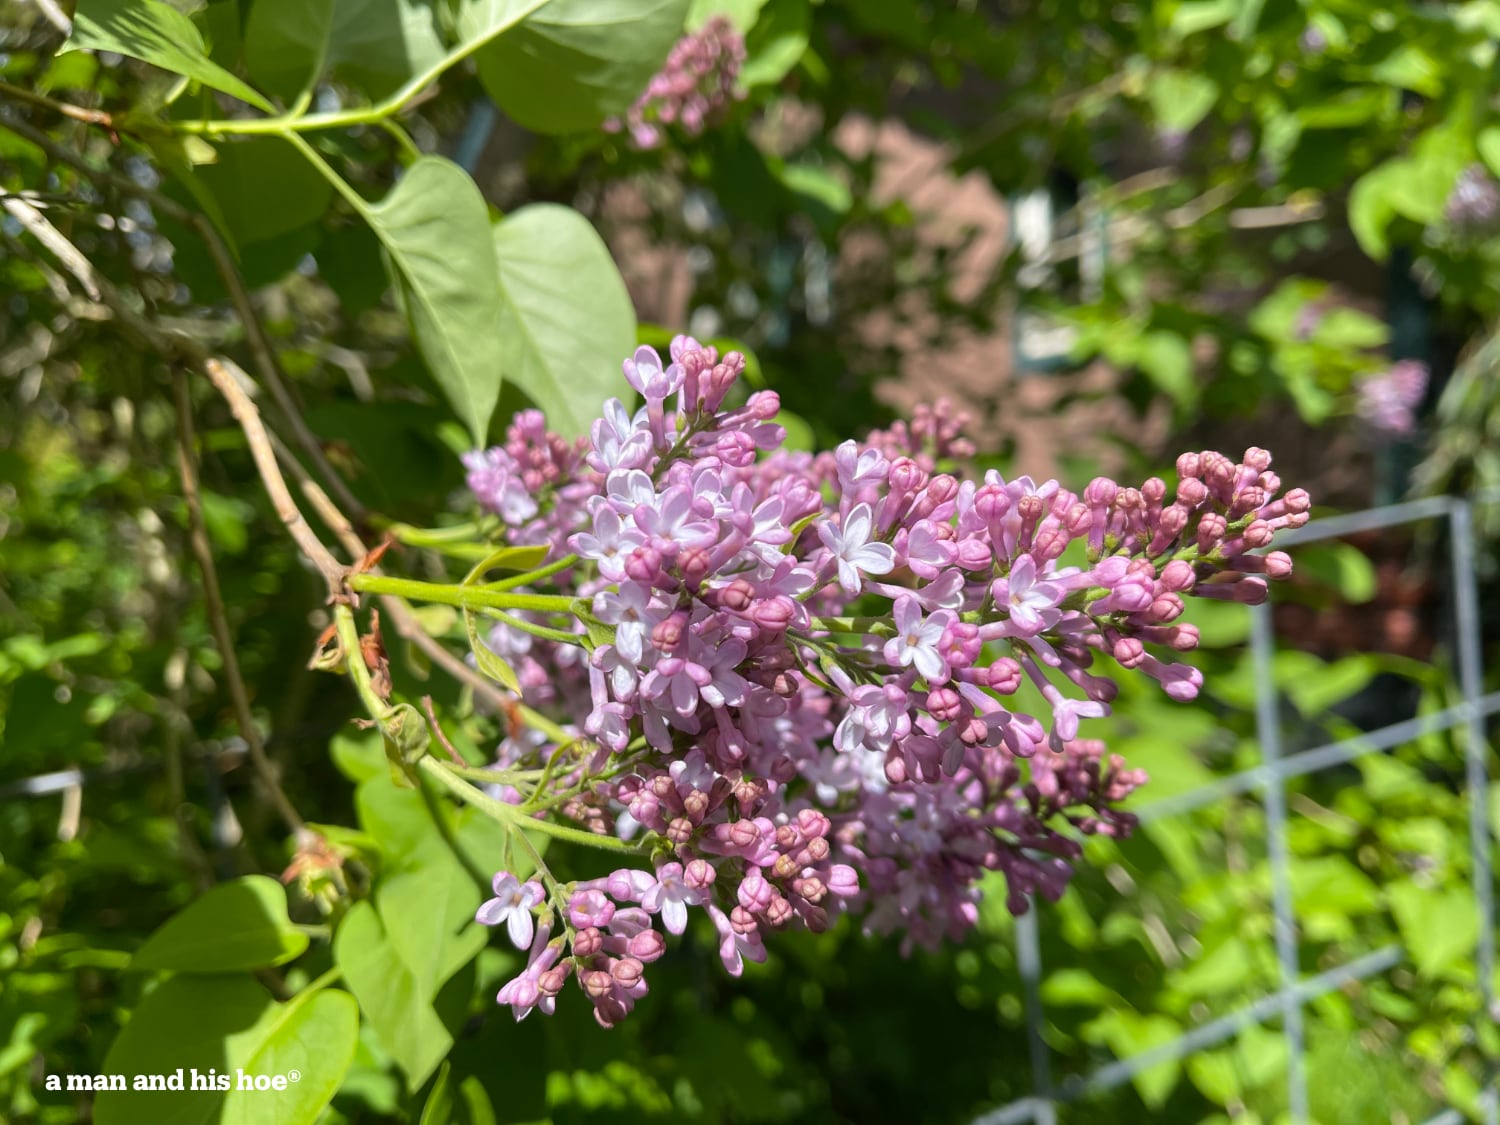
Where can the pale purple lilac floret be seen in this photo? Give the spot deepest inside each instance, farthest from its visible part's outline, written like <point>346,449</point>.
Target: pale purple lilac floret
<point>694,87</point>
<point>797,689</point>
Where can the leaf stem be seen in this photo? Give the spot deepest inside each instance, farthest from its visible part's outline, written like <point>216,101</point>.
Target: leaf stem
<point>515,818</point>
<point>466,597</point>
<point>535,575</point>
<point>367,115</point>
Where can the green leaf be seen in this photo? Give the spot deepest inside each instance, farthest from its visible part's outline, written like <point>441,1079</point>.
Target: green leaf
<point>238,925</point>
<point>427,908</point>
<point>1128,1034</point>
<point>227,1023</point>
<point>566,323</point>
<point>397,818</point>
<point>1226,968</point>
<point>1180,98</point>
<point>263,189</point>
<point>1350,328</point>
<point>286,43</point>
<point>1193,16</point>
<point>1314,694</point>
<point>1371,209</point>
<point>1214,1073</point>
<point>158,34</point>
<point>200,1023</point>
<point>490,663</point>
<point>438,1109</point>
<point>358,757</point>
<point>1168,361</point>
<point>1488,144</point>
<point>388,994</point>
<point>377,45</point>
<point>1332,885</point>
<point>741,13</point>
<point>817,185</point>
<point>312,1036</point>
<point>799,434</point>
<point>776,43</point>
<point>1077,987</point>
<point>434,226</point>
<point>572,63</point>
<point>1348,109</point>
<point>1440,928</point>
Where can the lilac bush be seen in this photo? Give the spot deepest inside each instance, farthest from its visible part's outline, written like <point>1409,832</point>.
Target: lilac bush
<point>1387,402</point>
<point>791,679</point>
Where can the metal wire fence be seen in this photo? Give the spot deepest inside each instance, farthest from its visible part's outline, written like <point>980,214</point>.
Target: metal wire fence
<point>1269,779</point>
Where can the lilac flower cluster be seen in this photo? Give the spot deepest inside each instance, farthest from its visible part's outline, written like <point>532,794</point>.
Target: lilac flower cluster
<point>1387,403</point>
<point>807,675</point>
<point>694,86</point>
<point>1473,206</point>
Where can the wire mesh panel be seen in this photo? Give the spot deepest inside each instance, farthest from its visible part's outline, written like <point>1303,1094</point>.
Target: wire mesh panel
<point>1269,779</point>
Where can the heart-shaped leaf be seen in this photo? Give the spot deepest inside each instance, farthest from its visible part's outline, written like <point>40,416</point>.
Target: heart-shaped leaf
<point>238,925</point>
<point>566,321</point>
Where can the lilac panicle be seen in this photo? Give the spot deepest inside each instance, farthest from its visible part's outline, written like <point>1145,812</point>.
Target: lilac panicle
<point>692,90</point>
<point>785,757</point>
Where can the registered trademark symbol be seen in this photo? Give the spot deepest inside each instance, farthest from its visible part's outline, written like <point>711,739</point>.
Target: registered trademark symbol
<point>294,1076</point>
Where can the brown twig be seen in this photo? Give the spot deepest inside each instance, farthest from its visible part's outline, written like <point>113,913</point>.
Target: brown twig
<point>76,112</point>
<point>218,620</point>
<point>437,730</point>
<point>55,16</point>
<point>407,626</point>
<point>245,413</point>
<point>67,255</point>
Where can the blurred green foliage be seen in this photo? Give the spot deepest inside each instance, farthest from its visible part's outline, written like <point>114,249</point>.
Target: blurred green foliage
<point>1253,159</point>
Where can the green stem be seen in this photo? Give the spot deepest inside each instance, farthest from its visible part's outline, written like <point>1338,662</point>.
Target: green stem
<point>467,597</point>
<point>540,722</point>
<point>535,575</point>
<point>410,153</point>
<point>494,777</point>
<point>433,536</point>
<point>542,631</point>
<point>515,818</point>
<point>323,981</point>
<point>542,782</point>
<point>368,115</point>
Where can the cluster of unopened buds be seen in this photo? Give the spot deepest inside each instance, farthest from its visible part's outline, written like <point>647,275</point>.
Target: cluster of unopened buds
<point>694,86</point>
<point>803,682</point>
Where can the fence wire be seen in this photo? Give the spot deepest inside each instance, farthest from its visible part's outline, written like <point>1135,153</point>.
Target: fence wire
<point>1270,779</point>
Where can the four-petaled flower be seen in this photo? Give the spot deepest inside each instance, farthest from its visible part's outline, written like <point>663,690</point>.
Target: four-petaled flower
<point>512,904</point>
<point>853,550</point>
<point>916,641</point>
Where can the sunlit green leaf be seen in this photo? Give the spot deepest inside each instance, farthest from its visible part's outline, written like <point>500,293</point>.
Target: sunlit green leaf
<point>566,321</point>
<point>158,34</point>
<point>572,63</point>
<point>238,925</point>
